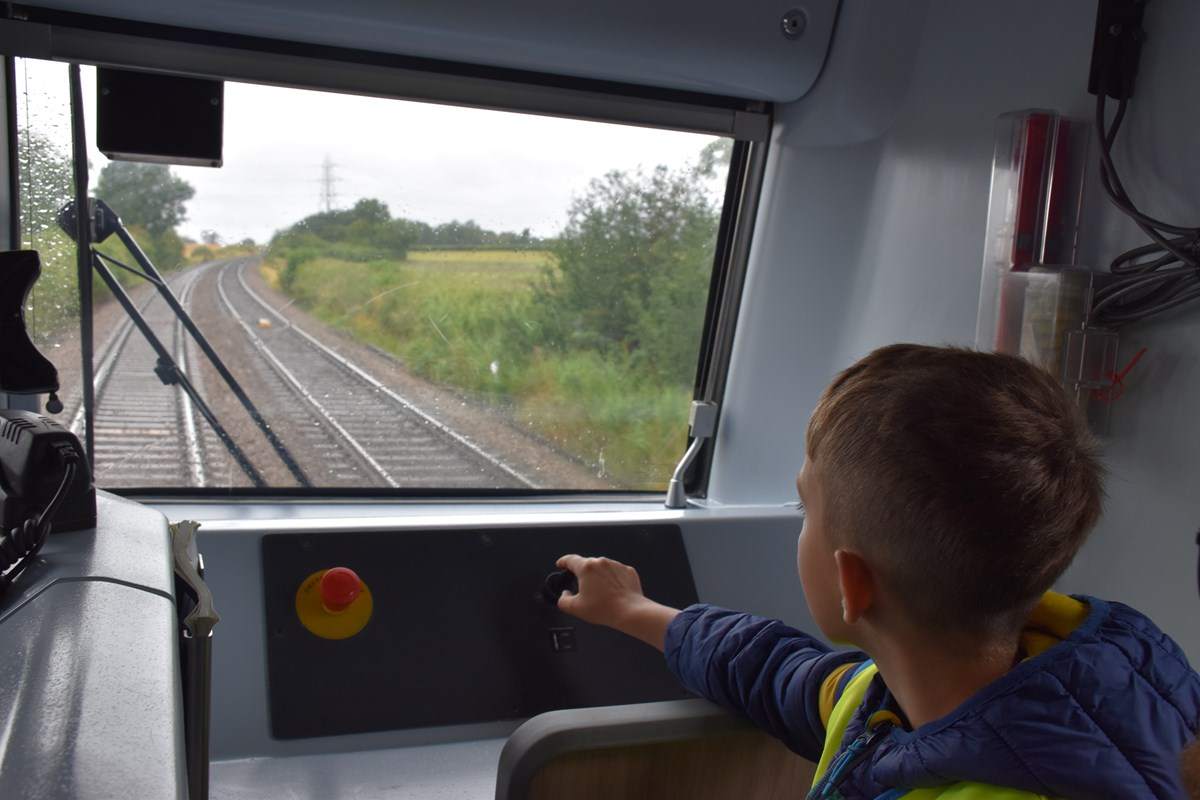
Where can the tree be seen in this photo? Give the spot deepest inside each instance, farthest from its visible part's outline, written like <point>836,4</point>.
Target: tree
<point>716,154</point>
<point>368,225</point>
<point>633,265</point>
<point>146,195</point>
<point>363,233</point>
<point>149,200</point>
<point>470,234</point>
<point>457,234</point>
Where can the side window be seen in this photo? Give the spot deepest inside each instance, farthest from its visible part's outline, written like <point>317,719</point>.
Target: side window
<point>45,184</point>
<point>399,295</point>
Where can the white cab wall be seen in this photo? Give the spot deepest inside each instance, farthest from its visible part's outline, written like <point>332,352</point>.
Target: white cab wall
<point>872,229</point>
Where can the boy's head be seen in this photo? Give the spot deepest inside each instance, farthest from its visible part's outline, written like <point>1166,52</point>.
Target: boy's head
<point>968,480</point>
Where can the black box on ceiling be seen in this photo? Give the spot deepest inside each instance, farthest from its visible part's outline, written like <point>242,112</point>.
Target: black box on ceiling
<point>162,119</point>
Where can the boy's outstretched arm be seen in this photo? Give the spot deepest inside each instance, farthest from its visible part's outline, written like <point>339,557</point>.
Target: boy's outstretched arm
<point>756,667</point>
<point>610,593</point>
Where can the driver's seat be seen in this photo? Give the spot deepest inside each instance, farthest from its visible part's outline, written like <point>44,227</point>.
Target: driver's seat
<point>677,749</point>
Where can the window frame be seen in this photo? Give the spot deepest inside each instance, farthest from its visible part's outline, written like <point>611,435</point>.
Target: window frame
<point>99,41</point>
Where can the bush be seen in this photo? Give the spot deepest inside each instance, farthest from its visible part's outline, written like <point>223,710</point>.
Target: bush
<point>632,271</point>
<point>472,329</point>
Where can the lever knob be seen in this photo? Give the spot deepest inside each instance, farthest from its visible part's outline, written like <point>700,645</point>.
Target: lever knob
<point>557,583</point>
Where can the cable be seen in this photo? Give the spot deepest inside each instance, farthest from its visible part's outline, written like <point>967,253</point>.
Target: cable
<point>21,545</point>
<point>1151,278</point>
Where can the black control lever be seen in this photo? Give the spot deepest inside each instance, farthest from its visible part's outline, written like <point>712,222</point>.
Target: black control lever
<point>557,583</point>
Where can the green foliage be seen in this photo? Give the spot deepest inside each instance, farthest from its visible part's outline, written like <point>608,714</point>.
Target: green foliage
<point>46,182</point>
<point>211,251</point>
<point>467,323</point>
<point>148,196</point>
<point>53,303</point>
<point>294,258</point>
<point>456,234</point>
<point>592,344</point>
<point>591,340</point>
<point>715,158</point>
<point>365,231</point>
<point>622,421</point>
<point>46,185</point>
<point>632,271</point>
<point>165,250</point>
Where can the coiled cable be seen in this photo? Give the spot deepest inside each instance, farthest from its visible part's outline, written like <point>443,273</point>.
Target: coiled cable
<point>19,546</point>
<point>1154,277</point>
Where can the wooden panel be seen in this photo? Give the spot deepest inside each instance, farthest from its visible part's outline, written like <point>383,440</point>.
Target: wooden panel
<point>738,766</point>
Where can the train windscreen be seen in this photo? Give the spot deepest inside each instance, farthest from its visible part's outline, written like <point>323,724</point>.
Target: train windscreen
<point>374,294</point>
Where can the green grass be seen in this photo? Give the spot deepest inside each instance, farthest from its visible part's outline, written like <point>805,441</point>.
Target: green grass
<point>465,319</point>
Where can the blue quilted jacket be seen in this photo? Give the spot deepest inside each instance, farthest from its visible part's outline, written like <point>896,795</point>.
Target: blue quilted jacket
<point>1100,709</point>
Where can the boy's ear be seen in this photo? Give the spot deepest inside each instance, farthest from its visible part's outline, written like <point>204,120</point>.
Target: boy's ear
<point>857,583</point>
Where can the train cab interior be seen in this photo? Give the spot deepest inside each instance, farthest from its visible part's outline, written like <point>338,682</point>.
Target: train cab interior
<point>329,328</point>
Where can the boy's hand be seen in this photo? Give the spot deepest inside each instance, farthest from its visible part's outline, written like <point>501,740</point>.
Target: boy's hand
<point>610,593</point>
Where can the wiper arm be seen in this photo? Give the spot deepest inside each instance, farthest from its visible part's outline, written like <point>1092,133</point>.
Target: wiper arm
<point>105,222</point>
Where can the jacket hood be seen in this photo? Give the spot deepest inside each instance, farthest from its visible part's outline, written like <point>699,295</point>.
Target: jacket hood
<point>1100,708</point>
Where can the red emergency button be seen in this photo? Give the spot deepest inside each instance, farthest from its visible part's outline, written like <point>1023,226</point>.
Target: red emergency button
<point>334,603</point>
<point>339,588</point>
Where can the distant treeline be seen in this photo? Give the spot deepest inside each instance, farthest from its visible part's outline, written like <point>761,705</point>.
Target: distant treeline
<point>456,235</point>
<point>368,230</point>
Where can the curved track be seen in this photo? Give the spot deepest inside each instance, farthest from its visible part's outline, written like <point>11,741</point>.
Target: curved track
<point>343,426</point>
<point>367,433</point>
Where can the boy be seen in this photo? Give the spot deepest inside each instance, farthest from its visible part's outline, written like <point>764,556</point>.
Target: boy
<point>944,490</point>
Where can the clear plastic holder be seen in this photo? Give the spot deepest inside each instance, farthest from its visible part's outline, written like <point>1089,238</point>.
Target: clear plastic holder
<point>1089,366</point>
<point>1033,216</point>
<point>1053,303</point>
<point>1034,301</point>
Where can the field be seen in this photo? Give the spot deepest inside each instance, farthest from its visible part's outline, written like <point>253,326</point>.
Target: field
<point>469,320</point>
<point>519,260</point>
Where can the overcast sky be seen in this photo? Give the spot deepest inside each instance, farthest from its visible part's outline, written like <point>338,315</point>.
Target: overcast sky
<point>427,162</point>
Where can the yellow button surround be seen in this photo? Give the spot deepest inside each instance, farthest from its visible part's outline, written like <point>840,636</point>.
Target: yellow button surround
<point>327,624</point>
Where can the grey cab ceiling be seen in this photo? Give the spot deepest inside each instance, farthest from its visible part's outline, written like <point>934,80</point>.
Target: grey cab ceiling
<point>750,49</point>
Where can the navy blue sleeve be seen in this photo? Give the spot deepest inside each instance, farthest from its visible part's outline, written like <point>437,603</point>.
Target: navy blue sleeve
<point>757,668</point>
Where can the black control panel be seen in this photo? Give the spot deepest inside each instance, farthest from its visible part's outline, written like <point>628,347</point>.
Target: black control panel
<point>460,627</point>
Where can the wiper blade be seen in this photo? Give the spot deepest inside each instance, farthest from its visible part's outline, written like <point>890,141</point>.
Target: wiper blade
<point>105,223</point>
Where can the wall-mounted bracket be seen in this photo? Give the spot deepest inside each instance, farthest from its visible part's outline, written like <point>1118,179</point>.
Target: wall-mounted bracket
<point>702,423</point>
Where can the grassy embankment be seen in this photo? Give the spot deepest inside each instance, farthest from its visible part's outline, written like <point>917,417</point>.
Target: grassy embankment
<point>465,319</point>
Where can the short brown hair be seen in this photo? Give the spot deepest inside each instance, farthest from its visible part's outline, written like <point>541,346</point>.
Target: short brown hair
<point>971,479</point>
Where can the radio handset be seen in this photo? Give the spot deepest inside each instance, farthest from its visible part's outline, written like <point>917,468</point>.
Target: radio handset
<point>44,480</point>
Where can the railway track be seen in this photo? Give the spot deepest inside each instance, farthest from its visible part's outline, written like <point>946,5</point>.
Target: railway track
<point>344,427</point>
<point>368,433</point>
<point>145,432</point>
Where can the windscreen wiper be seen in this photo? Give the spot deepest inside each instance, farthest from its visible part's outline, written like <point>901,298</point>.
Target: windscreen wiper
<point>104,223</point>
